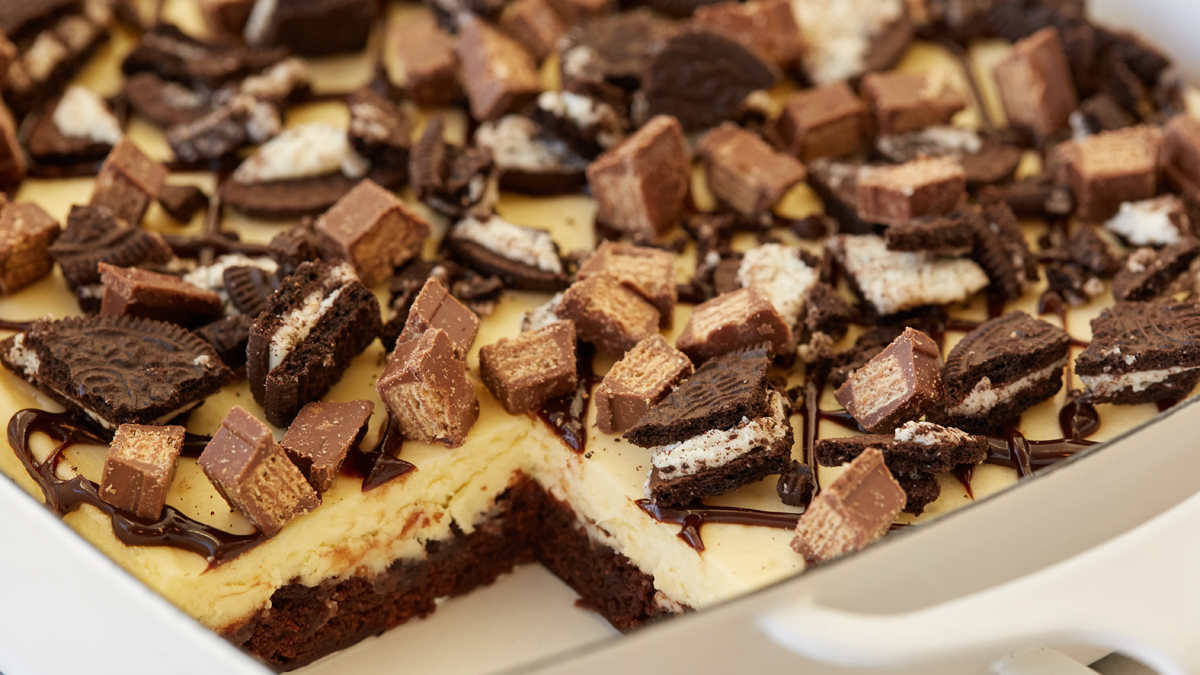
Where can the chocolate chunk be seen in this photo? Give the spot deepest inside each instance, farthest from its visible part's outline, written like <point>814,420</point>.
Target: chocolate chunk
<point>768,26</point>
<point>13,164</point>
<point>315,324</point>
<point>165,102</point>
<point>854,510</point>
<point>434,307</point>
<point>901,383</point>
<point>117,369</point>
<point>498,74</point>
<point>381,132</point>
<point>733,321</point>
<point>640,184</point>
<point>523,258</point>
<point>746,173</point>
<point>1142,352</point>
<point>838,369</point>
<point>1110,168</point>
<point>135,292</point>
<point>373,230</point>
<point>93,235</point>
<point>1036,86</point>
<point>1033,197</point>
<point>529,161</point>
<point>952,234</point>
<point>139,467</point>
<point>26,234</point>
<point>895,281</point>
<point>182,202</point>
<point>1152,222</point>
<point>1001,250</point>
<point>229,337</point>
<point>451,180</point>
<point>637,382</point>
<point>249,288</point>
<point>292,247</point>
<point>254,475</point>
<point>826,311</point>
<point>526,371</point>
<point>836,183</point>
<point>722,392</point>
<point>315,28</point>
<point>1180,159</point>
<point>700,77</point>
<point>1094,253</point>
<point>796,484</point>
<point>1147,273</point>
<point>612,49</point>
<point>128,182</point>
<point>420,58</point>
<point>427,389</point>
<point>903,102</point>
<point>226,16</point>
<point>242,120</point>
<point>79,127</point>
<point>650,272</point>
<point>1000,369</point>
<point>534,24</point>
<point>608,314</point>
<point>924,187</point>
<point>320,437</point>
<point>174,55</point>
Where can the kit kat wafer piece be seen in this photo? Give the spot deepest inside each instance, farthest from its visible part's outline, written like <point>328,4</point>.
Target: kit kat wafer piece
<point>1108,169</point>
<point>1180,158</point>
<point>26,233</point>
<point>827,121</point>
<point>648,271</point>
<point>434,307</point>
<point>318,440</point>
<point>901,383</point>
<point>373,230</point>
<point>134,292</point>
<point>637,382</point>
<point>746,173</point>
<point>608,314</point>
<point>640,184</point>
<point>732,321</point>
<point>139,467</point>
<point>426,388</point>
<point>420,58</point>
<point>498,74</point>
<point>128,182</point>
<point>924,187</point>
<point>526,371</point>
<point>1036,86</point>
<point>904,102</point>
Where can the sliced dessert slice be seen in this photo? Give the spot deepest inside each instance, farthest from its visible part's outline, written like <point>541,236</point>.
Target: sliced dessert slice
<point>1142,352</point>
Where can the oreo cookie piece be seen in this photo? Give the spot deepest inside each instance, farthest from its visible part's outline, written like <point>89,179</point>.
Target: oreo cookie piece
<point>79,127</point>
<point>165,102</point>
<point>228,336</point>
<point>1142,352</point>
<point>314,325</point>
<point>914,447</point>
<point>920,490</point>
<point>1094,252</point>
<point>837,370</point>
<point>529,162</point>
<point>380,131</point>
<point>174,55</point>
<point>1147,273</point>
<point>117,369</point>
<point>1000,369</point>
<point>701,77</point>
<point>1001,250</point>
<point>612,49</point>
<point>524,258</point>
<point>454,181</point>
<point>718,396</point>
<point>249,288</point>
<point>985,161</point>
<point>287,199</point>
<point>952,234</point>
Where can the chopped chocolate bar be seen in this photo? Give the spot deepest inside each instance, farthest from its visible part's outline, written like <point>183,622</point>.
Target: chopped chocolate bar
<point>533,23</point>
<point>900,384</point>
<point>79,127</point>
<point>893,281</point>
<point>524,258</point>
<point>315,28</point>
<point>637,382</point>
<point>779,273</point>
<point>746,173</point>
<point>854,510</point>
<point>320,318</point>
<point>1152,222</point>
<point>128,182</point>
<point>182,202</point>
<point>428,391</point>
<point>373,230</point>
<point>139,467</point>
<point>1108,169</point>
<point>93,235</point>
<point>454,181</point>
<point>13,164</point>
<point>924,187</point>
<point>723,391</point>
<point>721,460</point>
<point>134,292</point>
<point>229,337</point>
<point>640,184</point>
<point>498,74</point>
<point>434,307</point>
<point>949,235</point>
<point>526,371</point>
<point>528,161</point>
<point>320,437</point>
<point>1148,273</point>
<point>903,102</point>
<point>117,369</point>
<point>1000,369</point>
<point>242,120</point>
<point>768,26</point>
<point>608,314</point>
<point>26,233</point>
<point>1001,250</point>
<point>796,484</point>
<point>650,272</point>
<point>1180,158</point>
<point>381,132</point>
<point>1142,352</point>
<point>254,475</point>
<point>1036,86</point>
<point>420,58</point>
<point>732,321</point>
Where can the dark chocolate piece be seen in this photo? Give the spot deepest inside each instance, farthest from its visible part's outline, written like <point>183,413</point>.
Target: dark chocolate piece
<point>182,202</point>
<point>134,292</point>
<point>827,312</point>
<point>498,74</point>
<point>128,182</point>
<point>924,187</point>
<point>732,321</point>
<point>373,230</point>
<point>1142,352</point>
<point>322,434</point>
<point>139,467</point>
<point>1110,168</point>
<point>1036,86</point>
<point>637,382</point>
<point>313,28</point>
<point>901,383</point>
<point>903,102</point>
<point>1148,273</point>
<point>526,371</point>
<point>1088,249</point>
<point>796,484</point>
<point>608,314</point>
<point>640,184</point>
<point>746,173</point>
<point>434,307</point>
<point>1033,197</point>
<point>26,234</point>
<point>428,391</point>
<point>648,271</point>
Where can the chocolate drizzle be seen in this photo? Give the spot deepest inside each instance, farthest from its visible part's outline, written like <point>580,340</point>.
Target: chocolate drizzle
<point>19,326</point>
<point>566,415</point>
<point>692,518</point>
<point>193,247</point>
<point>381,465</point>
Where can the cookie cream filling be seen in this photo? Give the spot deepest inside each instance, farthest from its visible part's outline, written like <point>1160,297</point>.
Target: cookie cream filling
<point>928,433</point>
<point>1108,384</point>
<point>582,110</point>
<point>1149,222</point>
<point>212,277</point>
<point>781,275</point>
<point>300,321</point>
<point>81,113</point>
<point>985,396</point>
<point>934,141</point>
<point>840,34</point>
<point>278,81</point>
<point>525,245</point>
<point>25,358</point>
<point>718,447</point>
<point>514,144</point>
<point>894,281</point>
<point>305,151</point>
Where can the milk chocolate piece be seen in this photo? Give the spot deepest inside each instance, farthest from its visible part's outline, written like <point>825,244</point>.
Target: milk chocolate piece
<point>136,292</point>
<point>498,74</point>
<point>427,389</point>
<point>1110,168</point>
<point>534,24</point>
<point>373,230</point>
<point>128,182</point>
<point>26,233</point>
<point>746,173</point>
<point>640,184</point>
<point>254,475</point>
<point>313,28</point>
<point>768,26</point>
<point>904,102</point>
<point>13,164</point>
<point>733,321</point>
<point>854,510</point>
<point>322,434</point>
<point>648,271</point>
<point>901,383</point>
<point>828,121</point>
<point>1180,158</point>
<point>434,307</point>
<point>893,195</point>
<point>1036,86</point>
<point>139,467</point>
<point>608,314</point>
<point>420,58</point>
<point>526,371</point>
<point>637,382</point>
<point>182,202</point>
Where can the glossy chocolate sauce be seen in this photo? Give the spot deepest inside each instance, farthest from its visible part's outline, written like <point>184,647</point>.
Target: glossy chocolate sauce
<point>193,246</point>
<point>381,464</point>
<point>567,415</point>
<point>19,326</point>
<point>691,518</point>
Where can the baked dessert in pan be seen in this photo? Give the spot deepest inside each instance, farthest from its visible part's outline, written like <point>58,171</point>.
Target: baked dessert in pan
<point>639,386</point>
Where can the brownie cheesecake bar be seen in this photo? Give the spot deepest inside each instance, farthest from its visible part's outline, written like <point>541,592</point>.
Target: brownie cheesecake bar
<point>675,300</point>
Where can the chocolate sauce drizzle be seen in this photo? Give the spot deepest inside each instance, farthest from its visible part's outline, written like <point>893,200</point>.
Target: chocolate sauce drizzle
<point>19,326</point>
<point>691,518</point>
<point>380,465</point>
<point>566,416</point>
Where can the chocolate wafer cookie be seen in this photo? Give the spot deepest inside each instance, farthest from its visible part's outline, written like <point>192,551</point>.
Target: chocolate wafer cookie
<point>1142,352</point>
